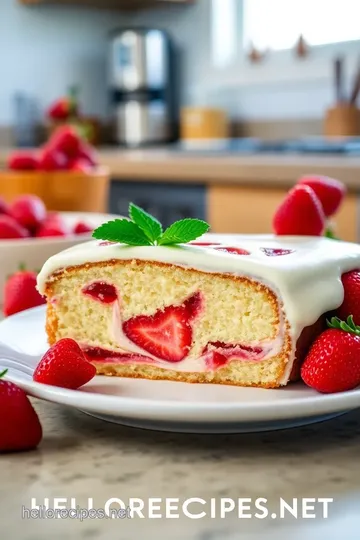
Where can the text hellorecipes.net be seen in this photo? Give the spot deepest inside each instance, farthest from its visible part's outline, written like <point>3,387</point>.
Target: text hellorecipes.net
<point>175,508</point>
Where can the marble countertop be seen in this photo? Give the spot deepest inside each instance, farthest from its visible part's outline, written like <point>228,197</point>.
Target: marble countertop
<point>82,457</point>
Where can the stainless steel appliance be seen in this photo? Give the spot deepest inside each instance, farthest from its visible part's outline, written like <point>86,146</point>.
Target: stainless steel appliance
<point>143,87</point>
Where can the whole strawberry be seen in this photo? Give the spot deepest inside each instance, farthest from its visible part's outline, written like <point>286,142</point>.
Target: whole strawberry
<point>333,362</point>
<point>62,109</point>
<point>67,141</point>
<point>64,365</point>
<point>351,303</point>
<point>9,228</point>
<point>300,213</point>
<point>51,159</point>
<point>29,211</point>
<point>20,425</point>
<point>23,160</point>
<point>329,191</point>
<point>4,208</point>
<point>20,293</point>
<point>82,228</point>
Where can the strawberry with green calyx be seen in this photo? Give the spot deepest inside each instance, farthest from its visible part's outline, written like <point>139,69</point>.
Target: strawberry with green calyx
<point>65,107</point>
<point>20,425</point>
<point>299,214</point>
<point>333,362</point>
<point>329,191</point>
<point>20,293</point>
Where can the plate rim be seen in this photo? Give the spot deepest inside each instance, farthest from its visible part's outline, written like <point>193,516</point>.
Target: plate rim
<point>169,410</point>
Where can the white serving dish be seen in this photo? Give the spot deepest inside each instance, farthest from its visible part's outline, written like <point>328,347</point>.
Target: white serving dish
<point>33,252</point>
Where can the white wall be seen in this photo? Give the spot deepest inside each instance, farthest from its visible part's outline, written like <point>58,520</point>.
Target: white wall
<point>281,87</point>
<point>45,49</point>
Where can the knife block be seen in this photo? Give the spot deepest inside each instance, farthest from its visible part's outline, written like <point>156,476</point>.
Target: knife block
<point>342,121</point>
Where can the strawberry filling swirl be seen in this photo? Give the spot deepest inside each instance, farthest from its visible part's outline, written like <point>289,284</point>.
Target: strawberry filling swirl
<point>165,337</point>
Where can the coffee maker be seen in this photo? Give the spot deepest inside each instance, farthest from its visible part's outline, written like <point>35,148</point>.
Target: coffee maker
<point>143,87</point>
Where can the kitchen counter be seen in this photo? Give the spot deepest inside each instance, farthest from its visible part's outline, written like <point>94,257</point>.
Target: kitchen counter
<point>239,192</point>
<point>276,170</point>
<point>81,457</point>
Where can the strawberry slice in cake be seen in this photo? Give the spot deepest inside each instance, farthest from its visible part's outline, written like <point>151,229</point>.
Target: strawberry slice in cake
<point>227,309</point>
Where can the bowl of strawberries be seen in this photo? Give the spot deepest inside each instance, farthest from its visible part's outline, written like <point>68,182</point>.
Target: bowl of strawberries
<point>65,173</point>
<point>30,234</point>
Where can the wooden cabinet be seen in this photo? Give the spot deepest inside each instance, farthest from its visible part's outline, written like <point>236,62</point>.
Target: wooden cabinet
<point>112,4</point>
<point>249,210</point>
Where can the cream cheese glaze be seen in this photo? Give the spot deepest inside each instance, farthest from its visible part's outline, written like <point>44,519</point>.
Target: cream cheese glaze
<point>307,280</point>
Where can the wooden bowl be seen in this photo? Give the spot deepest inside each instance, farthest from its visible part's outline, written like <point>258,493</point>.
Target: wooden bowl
<point>60,190</point>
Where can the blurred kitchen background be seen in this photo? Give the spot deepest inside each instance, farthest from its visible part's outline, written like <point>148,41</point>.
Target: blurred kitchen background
<point>204,108</point>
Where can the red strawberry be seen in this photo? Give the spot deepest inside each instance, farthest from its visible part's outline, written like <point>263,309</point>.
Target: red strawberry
<point>193,305</point>
<point>49,230</point>
<point>4,208</point>
<point>55,217</point>
<point>20,293</point>
<point>9,228</point>
<point>51,159</point>
<point>80,165</point>
<point>29,211</point>
<point>20,425</point>
<point>23,160</point>
<point>166,335</point>
<point>276,252</point>
<point>333,362</point>
<point>54,225</point>
<point>329,191</point>
<point>62,109</point>
<point>87,153</point>
<point>351,303</point>
<point>64,365</point>
<point>66,141</point>
<point>82,228</point>
<point>300,213</point>
<point>233,250</point>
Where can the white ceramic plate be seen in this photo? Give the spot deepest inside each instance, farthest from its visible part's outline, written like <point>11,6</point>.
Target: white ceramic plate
<point>172,406</point>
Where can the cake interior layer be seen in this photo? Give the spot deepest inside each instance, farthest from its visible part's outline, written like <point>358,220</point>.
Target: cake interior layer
<point>228,328</point>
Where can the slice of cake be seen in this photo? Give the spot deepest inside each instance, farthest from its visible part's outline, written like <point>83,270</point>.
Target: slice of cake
<point>229,309</point>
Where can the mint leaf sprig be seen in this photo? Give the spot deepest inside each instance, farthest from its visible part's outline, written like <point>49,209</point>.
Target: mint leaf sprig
<point>142,229</point>
<point>348,325</point>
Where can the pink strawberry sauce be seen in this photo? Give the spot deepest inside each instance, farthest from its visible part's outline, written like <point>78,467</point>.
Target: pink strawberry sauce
<point>218,354</point>
<point>233,250</point>
<point>271,252</point>
<point>96,354</point>
<point>101,291</point>
<point>107,243</point>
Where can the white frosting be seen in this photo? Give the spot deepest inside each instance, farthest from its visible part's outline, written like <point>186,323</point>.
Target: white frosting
<point>307,281</point>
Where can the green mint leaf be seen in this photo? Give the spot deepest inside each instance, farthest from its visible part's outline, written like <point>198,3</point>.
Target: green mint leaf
<point>149,225</point>
<point>122,230</point>
<point>3,373</point>
<point>183,231</point>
